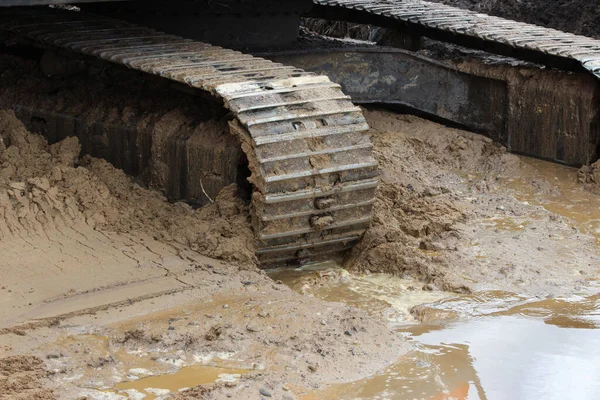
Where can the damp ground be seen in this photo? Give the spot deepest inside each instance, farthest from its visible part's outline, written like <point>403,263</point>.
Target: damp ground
<point>477,279</point>
<point>486,345</point>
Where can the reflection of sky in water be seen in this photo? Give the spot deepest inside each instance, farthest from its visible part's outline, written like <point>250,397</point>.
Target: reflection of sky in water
<point>519,358</point>
<point>507,347</point>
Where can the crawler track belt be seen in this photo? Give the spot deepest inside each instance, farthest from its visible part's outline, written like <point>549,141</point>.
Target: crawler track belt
<point>312,167</point>
<point>453,23</point>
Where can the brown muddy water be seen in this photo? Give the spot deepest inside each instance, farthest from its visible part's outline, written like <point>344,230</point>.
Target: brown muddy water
<point>566,198</point>
<point>487,345</point>
<point>152,387</point>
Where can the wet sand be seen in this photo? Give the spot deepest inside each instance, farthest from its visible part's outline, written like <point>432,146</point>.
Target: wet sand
<point>110,290</point>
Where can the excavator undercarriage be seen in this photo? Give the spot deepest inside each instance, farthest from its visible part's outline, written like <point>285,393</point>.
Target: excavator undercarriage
<point>305,146</point>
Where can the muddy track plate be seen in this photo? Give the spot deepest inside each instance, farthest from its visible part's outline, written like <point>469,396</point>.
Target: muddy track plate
<point>494,34</point>
<point>312,167</point>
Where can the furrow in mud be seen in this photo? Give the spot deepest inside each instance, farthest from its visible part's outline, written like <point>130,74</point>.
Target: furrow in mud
<point>304,139</point>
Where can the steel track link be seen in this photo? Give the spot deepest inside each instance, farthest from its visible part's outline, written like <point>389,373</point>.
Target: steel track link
<point>312,167</point>
<point>457,23</point>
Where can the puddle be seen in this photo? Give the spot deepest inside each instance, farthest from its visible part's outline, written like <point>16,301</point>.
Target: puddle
<point>506,357</point>
<point>545,349</point>
<point>487,345</point>
<point>146,375</point>
<point>565,196</point>
<point>381,295</point>
<point>505,224</point>
<point>187,377</point>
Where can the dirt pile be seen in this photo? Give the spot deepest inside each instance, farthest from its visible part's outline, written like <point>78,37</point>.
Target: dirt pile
<point>20,378</point>
<point>76,232</point>
<point>416,211</point>
<point>45,186</point>
<point>446,215</point>
<point>577,16</point>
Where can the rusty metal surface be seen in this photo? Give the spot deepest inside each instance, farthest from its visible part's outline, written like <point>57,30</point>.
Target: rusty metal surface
<point>497,35</point>
<point>531,110</point>
<point>312,167</point>
<point>393,76</point>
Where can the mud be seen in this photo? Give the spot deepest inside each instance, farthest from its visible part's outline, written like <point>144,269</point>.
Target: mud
<point>20,378</point>
<point>86,249</point>
<point>446,214</point>
<point>589,177</point>
<point>235,336</point>
<point>106,283</point>
<point>47,185</point>
<point>78,233</point>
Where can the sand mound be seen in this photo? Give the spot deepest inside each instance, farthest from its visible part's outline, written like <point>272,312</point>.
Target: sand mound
<point>417,209</point>
<point>45,186</point>
<point>20,379</point>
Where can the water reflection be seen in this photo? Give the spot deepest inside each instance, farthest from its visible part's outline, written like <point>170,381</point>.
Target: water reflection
<point>503,357</point>
<point>521,358</point>
<point>487,345</point>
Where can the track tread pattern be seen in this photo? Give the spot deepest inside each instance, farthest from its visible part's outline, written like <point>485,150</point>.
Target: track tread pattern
<point>313,171</point>
<point>456,21</point>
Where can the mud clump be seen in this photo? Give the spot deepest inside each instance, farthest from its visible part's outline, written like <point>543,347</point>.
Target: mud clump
<point>406,223</point>
<point>589,177</point>
<point>20,378</point>
<point>417,210</point>
<point>46,186</point>
<point>199,392</point>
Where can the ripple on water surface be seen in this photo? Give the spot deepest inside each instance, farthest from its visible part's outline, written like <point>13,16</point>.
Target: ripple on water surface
<point>487,345</point>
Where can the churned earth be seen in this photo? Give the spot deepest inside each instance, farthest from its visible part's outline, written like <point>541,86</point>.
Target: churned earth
<point>79,237</point>
<point>107,286</point>
<point>458,212</point>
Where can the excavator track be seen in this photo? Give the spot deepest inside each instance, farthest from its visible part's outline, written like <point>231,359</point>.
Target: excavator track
<point>311,159</point>
<point>497,35</point>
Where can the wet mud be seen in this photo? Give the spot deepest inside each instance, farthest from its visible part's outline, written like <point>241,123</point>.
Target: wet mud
<point>77,233</point>
<point>459,213</point>
<point>111,291</point>
<point>236,339</point>
<point>486,345</point>
<point>21,377</point>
